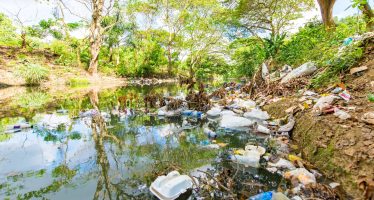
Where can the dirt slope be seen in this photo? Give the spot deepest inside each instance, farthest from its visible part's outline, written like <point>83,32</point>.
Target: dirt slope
<point>341,149</point>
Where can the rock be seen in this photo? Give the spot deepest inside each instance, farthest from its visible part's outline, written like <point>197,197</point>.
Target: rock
<point>350,151</point>
<point>229,121</point>
<point>257,114</point>
<point>358,69</point>
<point>305,69</point>
<point>334,185</point>
<point>368,118</point>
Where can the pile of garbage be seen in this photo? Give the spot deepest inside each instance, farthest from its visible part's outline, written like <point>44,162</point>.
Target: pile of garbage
<point>232,109</point>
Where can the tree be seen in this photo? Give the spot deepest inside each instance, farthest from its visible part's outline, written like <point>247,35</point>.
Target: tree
<point>23,27</point>
<point>96,31</point>
<point>7,30</point>
<point>326,7</point>
<point>365,8</point>
<point>272,16</point>
<point>202,34</point>
<point>174,14</point>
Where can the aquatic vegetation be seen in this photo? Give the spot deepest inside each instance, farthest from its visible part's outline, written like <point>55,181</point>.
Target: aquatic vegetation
<point>78,82</point>
<point>32,100</point>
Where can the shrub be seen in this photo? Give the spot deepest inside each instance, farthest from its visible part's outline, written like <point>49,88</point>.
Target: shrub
<point>32,100</point>
<point>7,32</point>
<point>314,43</point>
<point>248,55</point>
<point>339,64</point>
<point>33,74</point>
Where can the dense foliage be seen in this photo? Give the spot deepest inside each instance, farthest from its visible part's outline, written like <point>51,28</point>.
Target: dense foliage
<point>205,39</point>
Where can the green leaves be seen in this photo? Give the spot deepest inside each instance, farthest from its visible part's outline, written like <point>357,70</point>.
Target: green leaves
<point>248,55</point>
<point>371,97</point>
<point>274,44</point>
<point>7,31</point>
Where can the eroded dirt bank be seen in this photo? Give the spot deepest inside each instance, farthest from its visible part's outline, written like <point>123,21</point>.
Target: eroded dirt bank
<point>341,149</point>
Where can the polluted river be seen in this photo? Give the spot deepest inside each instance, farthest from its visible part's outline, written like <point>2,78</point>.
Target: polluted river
<point>114,143</point>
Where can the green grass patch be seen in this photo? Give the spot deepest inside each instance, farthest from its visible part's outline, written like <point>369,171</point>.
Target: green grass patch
<point>32,73</point>
<point>78,82</point>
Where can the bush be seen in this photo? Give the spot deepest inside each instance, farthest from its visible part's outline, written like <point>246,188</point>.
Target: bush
<point>33,74</point>
<point>339,64</point>
<point>314,43</point>
<point>7,32</point>
<point>248,55</point>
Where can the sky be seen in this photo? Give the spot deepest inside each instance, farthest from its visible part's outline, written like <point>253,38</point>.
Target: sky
<point>32,11</point>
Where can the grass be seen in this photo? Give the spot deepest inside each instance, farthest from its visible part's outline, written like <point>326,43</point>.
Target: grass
<point>339,64</point>
<point>32,73</point>
<point>78,82</point>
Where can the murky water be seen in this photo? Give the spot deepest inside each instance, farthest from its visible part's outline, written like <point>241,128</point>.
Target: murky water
<point>68,157</point>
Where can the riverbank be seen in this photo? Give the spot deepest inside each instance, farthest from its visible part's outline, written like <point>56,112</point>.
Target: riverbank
<point>60,78</point>
<point>342,149</point>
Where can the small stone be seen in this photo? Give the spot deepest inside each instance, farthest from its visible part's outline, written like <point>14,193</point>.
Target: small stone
<point>358,69</point>
<point>367,143</point>
<point>334,185</point>
<point>366,130</point>
<point>368,118</point>
<point>350,151</point>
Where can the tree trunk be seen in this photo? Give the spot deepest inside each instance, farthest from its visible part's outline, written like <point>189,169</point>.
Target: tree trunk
<point>23,37</point>
<point>326,7</point>
<point>170,66</point>
<point>369,16</point>
<point>95,35</point>
<point>110,54</point>
<point>78,54</point>
<point>192,64</point>
<point>117,58</point>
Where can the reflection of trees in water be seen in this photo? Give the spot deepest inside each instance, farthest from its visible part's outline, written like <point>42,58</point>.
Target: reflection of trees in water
<point>105,189</point>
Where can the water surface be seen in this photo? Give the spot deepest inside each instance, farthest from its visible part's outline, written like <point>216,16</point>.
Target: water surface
<point>65,156</point>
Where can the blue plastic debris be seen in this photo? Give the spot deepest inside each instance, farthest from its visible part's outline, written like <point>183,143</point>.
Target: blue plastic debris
<point>348,41</point>
<point>262,196</point>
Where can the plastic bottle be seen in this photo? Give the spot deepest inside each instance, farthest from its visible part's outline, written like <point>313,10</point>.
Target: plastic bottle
<point>19,126</point>
<point>210,133</point>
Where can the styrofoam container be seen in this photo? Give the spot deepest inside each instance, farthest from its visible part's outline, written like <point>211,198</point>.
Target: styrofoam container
<point>261,150</point>
<point>171,186</point>
<point>250,158</point>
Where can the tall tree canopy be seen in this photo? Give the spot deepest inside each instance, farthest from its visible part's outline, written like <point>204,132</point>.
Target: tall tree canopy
<point>274,16</point>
